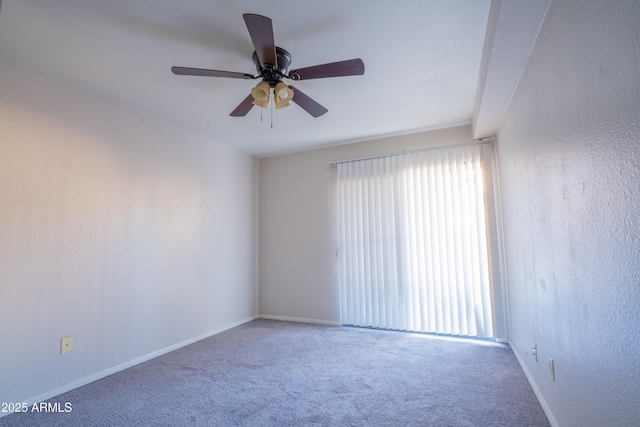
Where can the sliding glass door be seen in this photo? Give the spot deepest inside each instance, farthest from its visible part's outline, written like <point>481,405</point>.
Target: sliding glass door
<point>413,243</point>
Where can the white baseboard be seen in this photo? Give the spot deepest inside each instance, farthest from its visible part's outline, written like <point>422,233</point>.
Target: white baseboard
<point>534,386</point>
<point>299,320</point>
<point>102,374</point>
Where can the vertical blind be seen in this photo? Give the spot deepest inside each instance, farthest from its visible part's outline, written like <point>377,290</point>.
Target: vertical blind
<point>413,245</point>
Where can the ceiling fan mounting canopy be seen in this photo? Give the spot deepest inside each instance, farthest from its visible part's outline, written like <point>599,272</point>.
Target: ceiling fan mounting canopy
<point>272,64</point>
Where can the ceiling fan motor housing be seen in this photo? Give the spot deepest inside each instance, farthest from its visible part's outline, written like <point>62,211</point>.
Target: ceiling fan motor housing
<point>270,74</point>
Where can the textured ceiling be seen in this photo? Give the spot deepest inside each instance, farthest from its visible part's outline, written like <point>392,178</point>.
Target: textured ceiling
<point>422,62</point>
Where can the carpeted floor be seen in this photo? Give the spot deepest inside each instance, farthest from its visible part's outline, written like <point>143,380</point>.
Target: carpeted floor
<point>270,373</point>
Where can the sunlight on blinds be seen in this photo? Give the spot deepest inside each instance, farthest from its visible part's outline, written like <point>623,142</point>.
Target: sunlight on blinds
<point>413,243</point>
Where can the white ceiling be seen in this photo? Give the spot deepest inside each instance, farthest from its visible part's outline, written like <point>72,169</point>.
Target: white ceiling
<point>422,61</point>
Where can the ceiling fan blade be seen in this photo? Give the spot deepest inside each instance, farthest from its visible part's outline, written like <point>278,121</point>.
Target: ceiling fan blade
<point>261,32</point>
<point>307,104</point>
<point>244,107</point>
<point>350,67</point>
<point>185,71</point>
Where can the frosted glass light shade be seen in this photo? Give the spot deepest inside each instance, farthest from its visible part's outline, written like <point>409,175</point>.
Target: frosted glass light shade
<point>282,95</point>
<point>260,94</point>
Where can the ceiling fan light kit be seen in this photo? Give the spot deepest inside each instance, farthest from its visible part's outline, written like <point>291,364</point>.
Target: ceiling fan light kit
<point>272,64</point>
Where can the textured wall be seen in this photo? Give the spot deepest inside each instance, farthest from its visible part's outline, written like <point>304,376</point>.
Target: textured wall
<point>298,266</point>
<point>569,154</point>
<point>124,231</point>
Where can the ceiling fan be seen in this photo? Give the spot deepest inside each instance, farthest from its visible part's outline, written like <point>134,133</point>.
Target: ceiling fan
<point>272,64</point>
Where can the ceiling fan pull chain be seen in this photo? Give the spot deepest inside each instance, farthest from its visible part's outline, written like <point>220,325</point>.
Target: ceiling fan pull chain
<point>271,109</point>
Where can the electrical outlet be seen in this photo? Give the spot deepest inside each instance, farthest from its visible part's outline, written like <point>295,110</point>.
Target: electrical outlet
<point>66,344</point>
<point>534,351</point>
<point>552,369</point>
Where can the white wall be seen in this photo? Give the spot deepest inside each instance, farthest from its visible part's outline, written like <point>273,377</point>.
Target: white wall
<point>569,155</point>
<point>121,230</point>
<point>298,264</point>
